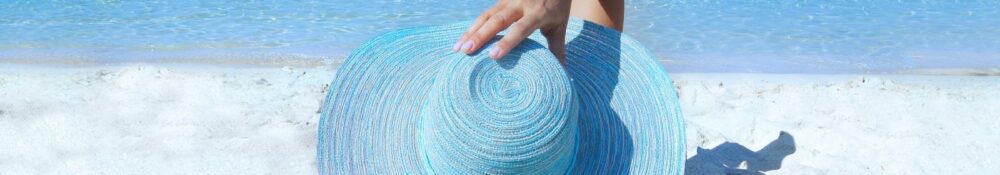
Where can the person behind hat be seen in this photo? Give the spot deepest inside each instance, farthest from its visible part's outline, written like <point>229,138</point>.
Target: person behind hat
<point>402,103</point>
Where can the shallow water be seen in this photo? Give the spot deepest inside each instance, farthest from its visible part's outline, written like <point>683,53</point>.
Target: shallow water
<point>690,36</point>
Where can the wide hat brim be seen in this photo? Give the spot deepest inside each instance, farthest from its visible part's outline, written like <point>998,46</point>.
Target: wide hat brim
<point>628,117</point>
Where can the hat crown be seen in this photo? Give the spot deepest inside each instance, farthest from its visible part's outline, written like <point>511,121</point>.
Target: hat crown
<point>482,117</point>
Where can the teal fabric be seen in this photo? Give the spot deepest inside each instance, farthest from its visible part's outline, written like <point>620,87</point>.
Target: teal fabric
<point>404,103</point>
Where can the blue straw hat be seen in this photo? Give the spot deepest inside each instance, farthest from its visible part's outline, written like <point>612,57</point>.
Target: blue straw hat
<point>404,103</point>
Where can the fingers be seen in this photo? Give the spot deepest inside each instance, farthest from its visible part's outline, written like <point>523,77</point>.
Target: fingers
<point>515,34</point>
<point>550,17</point>
<point>556,36</point>
<point>475,26</point>
<point>496,23</point>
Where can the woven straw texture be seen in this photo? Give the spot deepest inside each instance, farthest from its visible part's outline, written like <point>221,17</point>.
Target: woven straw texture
<point>404,103</point>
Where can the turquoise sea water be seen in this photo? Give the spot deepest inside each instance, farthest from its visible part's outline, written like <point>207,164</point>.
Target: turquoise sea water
<point>795,36</point>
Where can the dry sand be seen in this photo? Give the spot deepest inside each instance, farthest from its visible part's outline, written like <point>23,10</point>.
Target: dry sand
<point>842,124</point>
<point>163,119</point>
<point>156,120</point>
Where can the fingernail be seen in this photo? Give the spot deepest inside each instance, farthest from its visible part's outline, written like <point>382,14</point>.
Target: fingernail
<point>457,44</point>
<point>494,52</point>
<point>467,47</point>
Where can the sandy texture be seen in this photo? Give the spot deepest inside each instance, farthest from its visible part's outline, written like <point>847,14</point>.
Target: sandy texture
<point>841,124</point>
<point>144,119</point>
<point>141,119</point>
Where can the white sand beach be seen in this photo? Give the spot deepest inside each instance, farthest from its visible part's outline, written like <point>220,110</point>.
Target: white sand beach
<point>842,124</point>
<point>164,119</point>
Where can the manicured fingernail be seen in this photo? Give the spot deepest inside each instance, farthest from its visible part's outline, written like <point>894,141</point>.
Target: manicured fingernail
<point>494,52</point>
<point>457,44</point>
<point>467,47</point>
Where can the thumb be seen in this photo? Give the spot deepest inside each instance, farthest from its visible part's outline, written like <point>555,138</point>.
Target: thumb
<point>556,36</point>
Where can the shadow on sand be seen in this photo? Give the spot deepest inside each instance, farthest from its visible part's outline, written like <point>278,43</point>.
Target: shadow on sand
<point>728,157</point>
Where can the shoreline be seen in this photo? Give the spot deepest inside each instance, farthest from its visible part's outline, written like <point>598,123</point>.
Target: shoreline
<point>333,64</point>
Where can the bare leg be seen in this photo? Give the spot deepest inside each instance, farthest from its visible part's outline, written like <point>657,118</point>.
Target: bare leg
<point>609,13</point>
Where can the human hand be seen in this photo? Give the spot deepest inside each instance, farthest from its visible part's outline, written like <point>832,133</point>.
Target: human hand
<point>521,18</point>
